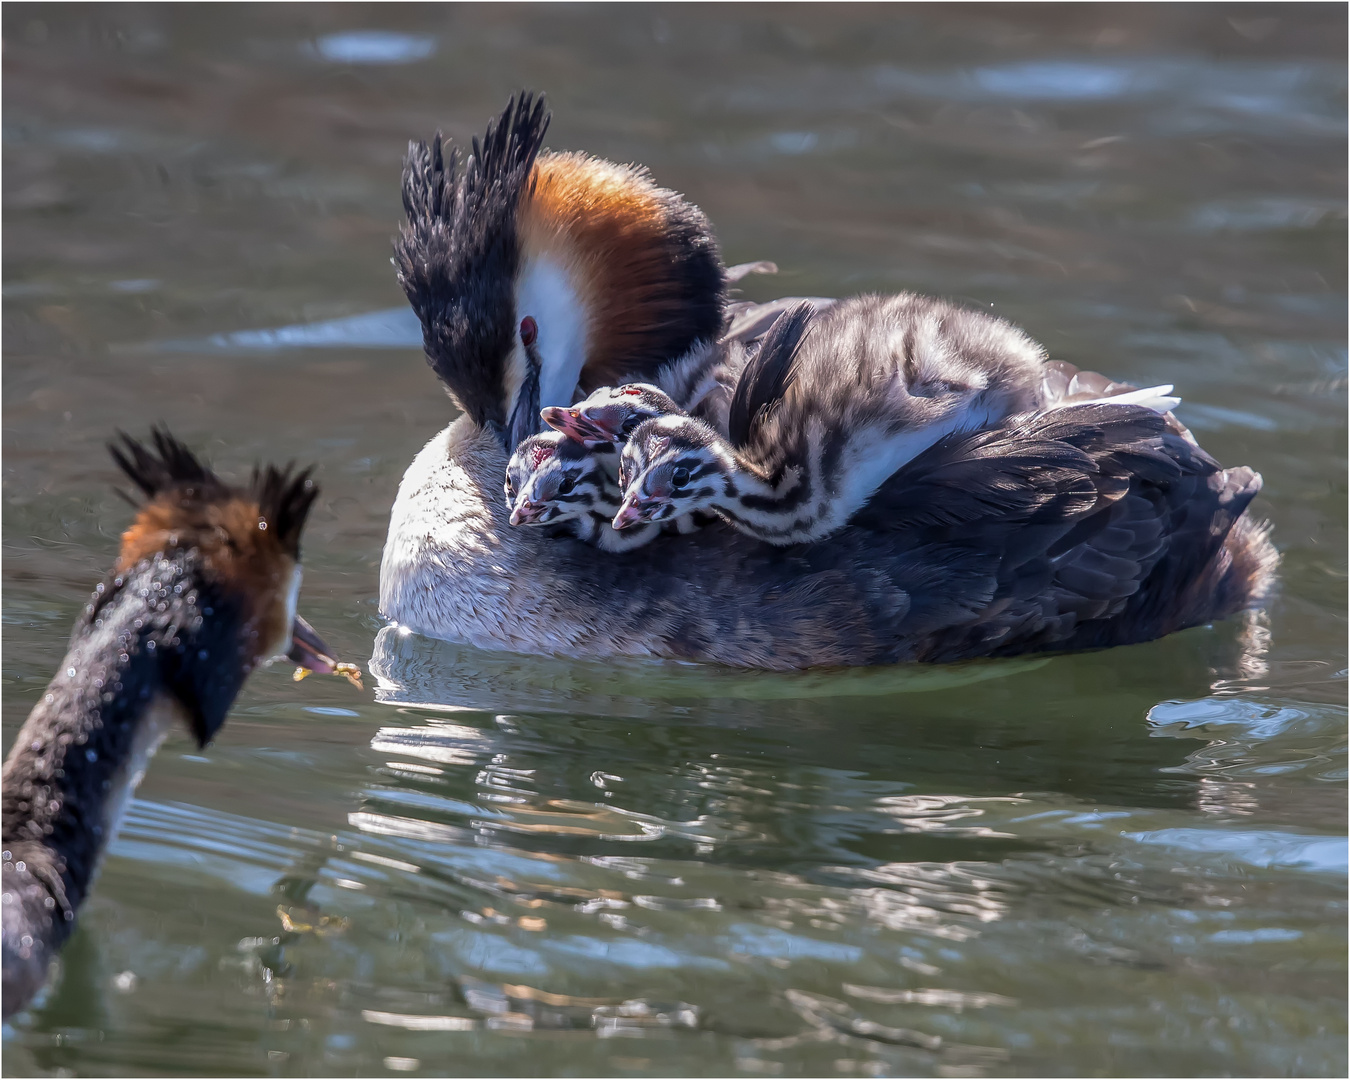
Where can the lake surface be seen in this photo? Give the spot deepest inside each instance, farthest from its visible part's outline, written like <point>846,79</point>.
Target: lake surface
<point>1131,862</point>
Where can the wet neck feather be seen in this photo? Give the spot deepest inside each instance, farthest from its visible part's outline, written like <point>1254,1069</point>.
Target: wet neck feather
<point>78,757</point>
<point>74,765</point>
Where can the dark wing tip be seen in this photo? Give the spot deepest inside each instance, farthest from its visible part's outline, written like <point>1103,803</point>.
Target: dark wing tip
<point>169,464</point>
<point>769,373</point>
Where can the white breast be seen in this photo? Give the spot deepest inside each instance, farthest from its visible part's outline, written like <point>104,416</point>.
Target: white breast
<point>454,569</point>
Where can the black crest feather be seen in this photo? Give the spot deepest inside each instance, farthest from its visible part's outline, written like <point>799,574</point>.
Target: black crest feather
<point>768,375</point>
<point>457,254</point>
<point>285,498</point>
<point>283,495</point>
<point>171,465</point>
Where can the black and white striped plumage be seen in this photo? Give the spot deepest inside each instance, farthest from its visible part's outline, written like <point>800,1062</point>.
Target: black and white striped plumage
<point>605,420</point>
<point>831,407</point>
<point>612,413</point>
<point>556,481</point>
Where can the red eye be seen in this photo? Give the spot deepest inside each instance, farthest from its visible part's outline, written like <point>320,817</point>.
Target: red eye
<point>529,330</point>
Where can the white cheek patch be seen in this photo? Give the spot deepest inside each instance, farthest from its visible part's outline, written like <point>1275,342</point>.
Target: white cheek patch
<point>545,293</point>
<point>283,644</point>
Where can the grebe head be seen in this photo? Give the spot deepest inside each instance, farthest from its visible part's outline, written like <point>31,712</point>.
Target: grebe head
<point>223,570</point>
<point>552,479</point>
<point>538,276</point>
<point>612,413</point>
<point>671,466</point>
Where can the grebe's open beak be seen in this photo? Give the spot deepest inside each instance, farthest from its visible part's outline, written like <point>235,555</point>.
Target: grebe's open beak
<point>528,513</point>
<point>308,649</point>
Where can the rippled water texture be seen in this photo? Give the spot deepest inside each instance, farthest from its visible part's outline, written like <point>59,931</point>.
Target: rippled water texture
<point>1130,862</point>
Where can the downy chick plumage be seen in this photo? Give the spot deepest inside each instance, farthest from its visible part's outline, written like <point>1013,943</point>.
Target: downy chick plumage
<point>868,593</point>
<point>832,406</point>
<point>556,481</point>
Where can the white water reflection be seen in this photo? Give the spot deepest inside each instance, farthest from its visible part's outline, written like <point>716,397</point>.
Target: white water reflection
<point>413,670</point>
<point>394,328</point>
<point>375,47</point>
<point>1259,849</point>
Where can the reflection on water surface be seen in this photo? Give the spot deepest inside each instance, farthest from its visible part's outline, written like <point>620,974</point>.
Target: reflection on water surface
<point>1127,862</point>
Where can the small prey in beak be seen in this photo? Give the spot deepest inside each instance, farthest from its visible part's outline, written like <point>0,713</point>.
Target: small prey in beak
<point>309,651</point>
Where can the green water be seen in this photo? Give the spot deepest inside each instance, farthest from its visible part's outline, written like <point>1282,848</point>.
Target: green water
<point>1131,862</point>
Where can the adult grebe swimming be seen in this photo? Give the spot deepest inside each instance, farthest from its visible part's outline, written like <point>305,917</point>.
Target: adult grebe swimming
<point>541,277</point>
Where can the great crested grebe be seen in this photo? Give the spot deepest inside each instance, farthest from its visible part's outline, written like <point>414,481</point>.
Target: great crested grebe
<point>535,274</point>
<point>204,590</point>
<point>561,483</point>
<point>1081,527</point>
<point>611,414</point>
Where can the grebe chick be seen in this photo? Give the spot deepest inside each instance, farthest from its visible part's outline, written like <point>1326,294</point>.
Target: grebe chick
<point>611,414</point>
<point>833,405</point>
<point>204,591</point>
<point>606,419</point>
<point>554,480</point>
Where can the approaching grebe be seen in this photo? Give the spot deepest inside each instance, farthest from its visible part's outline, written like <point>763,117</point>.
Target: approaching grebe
<point>204,590</point>
<point>540,278</point>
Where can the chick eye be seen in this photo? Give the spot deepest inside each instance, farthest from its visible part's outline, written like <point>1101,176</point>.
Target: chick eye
<point>565,488</point>
<point>680,477</point>
<point>630,424</point>
<point>529,330</point>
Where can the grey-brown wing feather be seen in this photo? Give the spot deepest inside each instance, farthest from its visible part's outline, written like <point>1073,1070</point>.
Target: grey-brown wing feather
<point>1063,384</point>
<point>767,375</point>
<point>748,321</point>
<point>1091,516</point>
<point>969,560</point>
